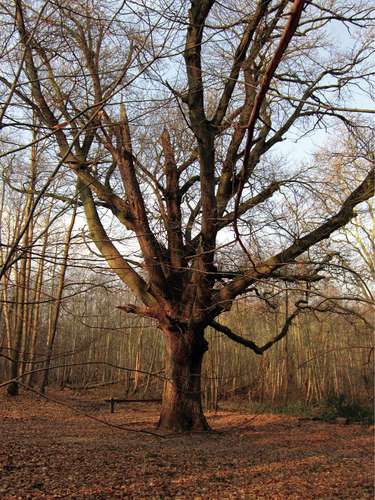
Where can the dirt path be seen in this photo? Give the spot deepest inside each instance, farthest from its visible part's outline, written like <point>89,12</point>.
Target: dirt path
<point>49,451</point>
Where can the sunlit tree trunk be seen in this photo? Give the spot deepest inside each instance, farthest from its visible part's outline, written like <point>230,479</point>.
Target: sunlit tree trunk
<point>182,405</point>
<point>19,307</point>
<point>57,305</point>
<point>37,307</point>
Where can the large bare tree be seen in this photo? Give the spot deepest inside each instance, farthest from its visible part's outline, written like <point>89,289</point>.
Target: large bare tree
<point>170,114</point>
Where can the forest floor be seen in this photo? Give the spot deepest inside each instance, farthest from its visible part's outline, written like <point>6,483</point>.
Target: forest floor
<point>49,450</point>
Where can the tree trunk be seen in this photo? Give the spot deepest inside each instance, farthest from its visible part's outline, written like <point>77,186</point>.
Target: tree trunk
<point>57,305</point>
<point>182,405</point>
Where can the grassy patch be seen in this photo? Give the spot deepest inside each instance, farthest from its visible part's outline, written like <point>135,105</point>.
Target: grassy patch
<point>328,410</point>
<point>295,409</point>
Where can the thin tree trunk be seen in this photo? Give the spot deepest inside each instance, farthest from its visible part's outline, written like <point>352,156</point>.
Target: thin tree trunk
<point>13,388</point>
<point>37,306</point>
<point>56,311</point>
<point>6,316</point>
<point>19,305</point>
<point>27,296</point>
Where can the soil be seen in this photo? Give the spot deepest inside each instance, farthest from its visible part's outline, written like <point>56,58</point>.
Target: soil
<point>77,449</point>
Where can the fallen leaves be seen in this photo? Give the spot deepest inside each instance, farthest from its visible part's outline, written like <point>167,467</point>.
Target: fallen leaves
<point>49,451</point>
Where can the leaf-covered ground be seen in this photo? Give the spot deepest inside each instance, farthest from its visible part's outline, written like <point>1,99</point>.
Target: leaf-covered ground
<point>51,451</point>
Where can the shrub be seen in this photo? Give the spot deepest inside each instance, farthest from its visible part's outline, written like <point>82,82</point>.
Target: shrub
<point>338,406</point>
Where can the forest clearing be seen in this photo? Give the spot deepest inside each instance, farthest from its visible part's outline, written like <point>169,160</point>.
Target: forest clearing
<point>187,218</point>
<point>51,451</point>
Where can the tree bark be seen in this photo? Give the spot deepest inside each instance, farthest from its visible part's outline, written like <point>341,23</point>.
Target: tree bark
<point>182,404</point>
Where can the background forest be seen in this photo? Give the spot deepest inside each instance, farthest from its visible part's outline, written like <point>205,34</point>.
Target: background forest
<point>60,325</point>
<point>186,160</point>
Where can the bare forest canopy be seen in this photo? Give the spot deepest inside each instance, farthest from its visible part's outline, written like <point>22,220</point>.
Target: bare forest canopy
<point>142,158</point>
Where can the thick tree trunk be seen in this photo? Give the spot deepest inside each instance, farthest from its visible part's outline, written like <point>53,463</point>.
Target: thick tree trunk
<point>182,405</point>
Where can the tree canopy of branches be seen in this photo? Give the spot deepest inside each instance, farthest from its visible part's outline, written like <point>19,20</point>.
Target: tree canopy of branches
<point>169,116</point>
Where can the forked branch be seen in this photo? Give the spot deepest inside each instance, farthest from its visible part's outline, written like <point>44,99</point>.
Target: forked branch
<point>251,344</point>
